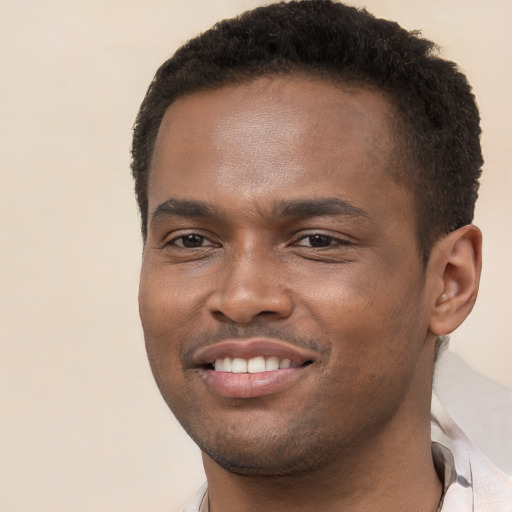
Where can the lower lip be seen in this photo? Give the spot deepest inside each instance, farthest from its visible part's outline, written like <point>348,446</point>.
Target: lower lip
<point>252,385</point>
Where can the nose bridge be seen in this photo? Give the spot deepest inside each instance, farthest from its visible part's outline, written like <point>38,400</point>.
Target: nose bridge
<point>251,284</point>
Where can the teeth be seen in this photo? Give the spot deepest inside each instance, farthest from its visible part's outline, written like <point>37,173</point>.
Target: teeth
<point>223,365</point>
<point>254,365</point>
<point>271,364</point>
<point>239,365</point>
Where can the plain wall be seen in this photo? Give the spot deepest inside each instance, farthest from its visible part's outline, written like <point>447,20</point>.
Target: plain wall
<point>83,427</point>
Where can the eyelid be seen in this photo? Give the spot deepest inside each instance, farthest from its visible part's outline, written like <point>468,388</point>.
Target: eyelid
<point>338,238</point>
<point>182,233</point>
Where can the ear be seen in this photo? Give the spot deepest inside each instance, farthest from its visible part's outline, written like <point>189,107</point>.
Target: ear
<point>454,269</point>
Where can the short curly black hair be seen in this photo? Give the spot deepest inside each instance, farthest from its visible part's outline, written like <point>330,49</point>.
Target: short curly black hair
<point>437,120</point>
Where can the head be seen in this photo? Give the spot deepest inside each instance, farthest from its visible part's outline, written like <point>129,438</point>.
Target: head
<point>305,197</point>
<point>436,120</point>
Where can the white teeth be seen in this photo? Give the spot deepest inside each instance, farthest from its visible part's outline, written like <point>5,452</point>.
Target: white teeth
<point>239,365</point>
<point>254,365</point>
<point>223,365</point>
<point>271,364</point>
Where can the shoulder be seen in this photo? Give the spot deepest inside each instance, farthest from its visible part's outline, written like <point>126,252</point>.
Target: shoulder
<point>472,482</point>
<point>195,504</point>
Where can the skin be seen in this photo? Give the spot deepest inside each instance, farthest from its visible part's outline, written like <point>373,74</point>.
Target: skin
<point>347,286</point>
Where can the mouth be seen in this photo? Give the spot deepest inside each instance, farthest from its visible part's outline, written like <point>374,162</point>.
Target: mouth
<point>258,364</point>
<point>252,368</point>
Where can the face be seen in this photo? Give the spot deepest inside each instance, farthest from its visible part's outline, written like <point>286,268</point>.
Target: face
<point>282,294</point>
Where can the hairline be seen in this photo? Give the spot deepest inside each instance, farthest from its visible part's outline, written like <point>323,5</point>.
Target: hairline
<point>401,157</point>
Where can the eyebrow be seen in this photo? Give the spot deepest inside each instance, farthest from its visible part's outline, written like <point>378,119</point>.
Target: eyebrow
<point>303,209</point>
<point>296,209</point>
<point>183,208</point>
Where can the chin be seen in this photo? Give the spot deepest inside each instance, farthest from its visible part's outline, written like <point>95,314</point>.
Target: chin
<point>246,464</point>
<point>291,453</point>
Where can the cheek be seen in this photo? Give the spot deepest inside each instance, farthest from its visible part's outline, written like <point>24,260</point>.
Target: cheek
<point>161,313</point>
<point>163,310</point>
<point>167,301</point>
<point>370,317</point>
<point>375,341</point>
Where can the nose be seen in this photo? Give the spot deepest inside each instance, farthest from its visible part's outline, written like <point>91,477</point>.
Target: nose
<point>250,288</point>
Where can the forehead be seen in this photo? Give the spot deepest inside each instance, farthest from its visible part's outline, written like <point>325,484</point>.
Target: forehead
<point>274,137</point>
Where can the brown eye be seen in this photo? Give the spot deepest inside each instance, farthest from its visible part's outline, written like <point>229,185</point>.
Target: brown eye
<point>190,241</point>
<point>319,240</point>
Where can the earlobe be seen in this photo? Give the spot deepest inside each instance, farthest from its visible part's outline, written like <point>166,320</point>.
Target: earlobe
<point>454,266</point>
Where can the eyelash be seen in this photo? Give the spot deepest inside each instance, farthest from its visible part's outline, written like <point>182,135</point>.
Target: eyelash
<point>182,237</point>
<point>333,241</point>
<point>329,239</point>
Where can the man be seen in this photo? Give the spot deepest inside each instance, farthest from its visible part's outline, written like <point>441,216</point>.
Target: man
<point>306,176</point>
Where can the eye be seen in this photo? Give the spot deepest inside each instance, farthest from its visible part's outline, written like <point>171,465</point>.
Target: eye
<point>319,240</point>
<point>191,241</point>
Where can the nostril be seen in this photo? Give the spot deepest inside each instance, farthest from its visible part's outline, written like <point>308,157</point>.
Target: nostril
<point>243,305</point>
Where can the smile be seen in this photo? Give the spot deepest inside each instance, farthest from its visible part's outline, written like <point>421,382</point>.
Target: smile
<point>258,364</point>
<point>252,368</point>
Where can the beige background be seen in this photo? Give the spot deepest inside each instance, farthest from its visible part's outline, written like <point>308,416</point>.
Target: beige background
<point>82,425</point>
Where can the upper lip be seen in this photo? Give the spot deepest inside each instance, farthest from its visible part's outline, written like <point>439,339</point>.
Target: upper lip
<point>249,348</point>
